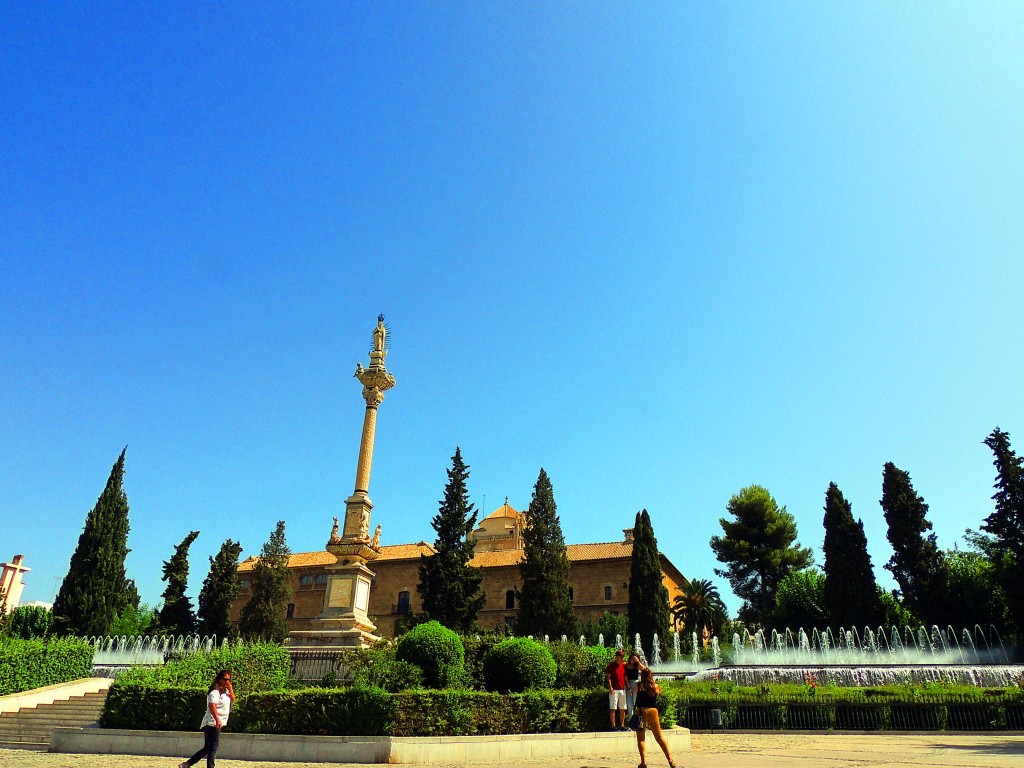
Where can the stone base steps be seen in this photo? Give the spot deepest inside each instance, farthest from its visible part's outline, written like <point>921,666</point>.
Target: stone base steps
<point>32,727</point>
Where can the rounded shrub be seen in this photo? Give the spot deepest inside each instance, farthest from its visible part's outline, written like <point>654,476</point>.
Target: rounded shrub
<point>437,650</point>
<point>519,664</point>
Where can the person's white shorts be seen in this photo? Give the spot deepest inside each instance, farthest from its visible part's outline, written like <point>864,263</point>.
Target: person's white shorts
<point>617,700</point>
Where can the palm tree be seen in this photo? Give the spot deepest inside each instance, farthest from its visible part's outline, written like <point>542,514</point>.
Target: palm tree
<point>699,608</point>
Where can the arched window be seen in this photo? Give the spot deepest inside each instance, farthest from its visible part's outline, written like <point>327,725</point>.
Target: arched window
<point>291,611</point>
<point>403,602</point>
<point>510,600</point>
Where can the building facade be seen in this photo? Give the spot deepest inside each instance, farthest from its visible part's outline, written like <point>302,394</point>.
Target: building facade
<point>598,577</point>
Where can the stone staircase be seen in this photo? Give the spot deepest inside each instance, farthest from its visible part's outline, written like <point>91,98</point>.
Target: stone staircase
<point>31,727</point>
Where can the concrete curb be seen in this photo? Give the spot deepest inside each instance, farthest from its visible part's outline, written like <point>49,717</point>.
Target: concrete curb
<point>359,749</point>
<point>51,693</point>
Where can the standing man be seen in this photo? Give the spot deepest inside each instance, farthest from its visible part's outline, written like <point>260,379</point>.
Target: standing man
<point>615,674</point>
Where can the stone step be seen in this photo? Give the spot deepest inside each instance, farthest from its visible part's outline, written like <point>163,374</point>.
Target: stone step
<point>36,746</point>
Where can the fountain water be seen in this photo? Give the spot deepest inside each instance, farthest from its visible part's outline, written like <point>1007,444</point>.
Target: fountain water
<point>113,654</point>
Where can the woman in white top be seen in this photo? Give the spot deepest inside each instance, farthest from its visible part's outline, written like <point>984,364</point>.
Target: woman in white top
<point>218,707</point>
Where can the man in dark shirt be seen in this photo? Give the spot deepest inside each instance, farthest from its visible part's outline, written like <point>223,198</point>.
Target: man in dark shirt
<point>615,674</point>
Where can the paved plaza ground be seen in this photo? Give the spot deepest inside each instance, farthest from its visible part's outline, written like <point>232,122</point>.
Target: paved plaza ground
<point>709,751</point>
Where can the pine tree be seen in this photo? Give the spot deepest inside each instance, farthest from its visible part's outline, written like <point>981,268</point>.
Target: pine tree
<point>917,564</point>
<point>648,595</point>
<point>219,590</point>
<point>449,586</point>
<point>544,604</point>
<point>760,548</point>
<point>851,594</point>
<point>263,616</point>
<point>1006,524</point>
<point>176,616</point>
<point>95,587</point>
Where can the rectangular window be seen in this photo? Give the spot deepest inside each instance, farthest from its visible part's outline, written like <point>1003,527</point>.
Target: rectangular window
<point>403,602</point>
<point>321,579</point>
<point>291,611</point>
<point>305,581</point>
<point>607,593</point>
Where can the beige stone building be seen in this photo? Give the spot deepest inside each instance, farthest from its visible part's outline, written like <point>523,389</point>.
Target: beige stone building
<point>598,577</point>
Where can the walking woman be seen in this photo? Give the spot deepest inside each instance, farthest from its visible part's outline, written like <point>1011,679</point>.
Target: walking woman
<point>647,705</point>
<point>218,707</point>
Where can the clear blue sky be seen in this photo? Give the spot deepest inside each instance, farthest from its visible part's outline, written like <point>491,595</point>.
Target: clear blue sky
<point>661,250</point>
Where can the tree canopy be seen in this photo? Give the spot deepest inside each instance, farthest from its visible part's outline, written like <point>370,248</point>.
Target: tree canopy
<point>220,588</point>
<point>544,603</point>
<point>917,564</point>
<point>1006,525</point>
<point>648,595</point>
<point>800,601</point>
<point>176,616</point>
<point>95,588</point>
<point>758,547</point>
<point>263,617</point>
<point>850,591</point>
<point>699,608</point>
<point>448,585</point>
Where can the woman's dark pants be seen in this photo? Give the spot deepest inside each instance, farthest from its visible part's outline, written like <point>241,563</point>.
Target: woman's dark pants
<point>211,739</point>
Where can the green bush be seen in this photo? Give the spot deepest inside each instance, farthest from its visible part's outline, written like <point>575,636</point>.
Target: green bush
<point>336,712</point>
<point>29,622</point>
<point>382,670</point>
<point>254,667</point>
<point>477,647</point>
<point>28,664</point>
<point>519,664</point>
<point>580,667</point>
<point>438,651</point>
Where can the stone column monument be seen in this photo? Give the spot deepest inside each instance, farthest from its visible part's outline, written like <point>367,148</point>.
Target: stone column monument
<point>344,620</point>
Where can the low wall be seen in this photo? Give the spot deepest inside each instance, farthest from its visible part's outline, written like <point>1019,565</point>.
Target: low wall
<point>360,749</point>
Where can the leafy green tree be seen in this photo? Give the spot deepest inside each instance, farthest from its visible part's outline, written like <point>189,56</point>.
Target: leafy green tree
<point>219,590</point>
<point>851,594</point>
<point>648,595</point>
<point>1006,525</point>
<point>449,585</point>
<point>800,601</point>
<point>176,616</point>
<point>95,587</point>
<point>263,617</point>
<point>759,548</point>
<point>30,621</point>
<point>699,608</point>
<point>133,620</point>
<point>894,612</point>
<point>974,593</point>
<point>916,563</point>
<point>544,603</point>
<point>609,625</point>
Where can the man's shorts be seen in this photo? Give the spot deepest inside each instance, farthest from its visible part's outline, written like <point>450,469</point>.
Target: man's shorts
<point>617,700</point>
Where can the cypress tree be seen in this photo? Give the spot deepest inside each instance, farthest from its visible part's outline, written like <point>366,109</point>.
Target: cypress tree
<point>917,564</point>
<point>95,587</point>
<point>851,595</point>
<point>648,595</point>
<point>263,616</point>
<point>219,590</point>
<point>1006,524</point>
<point>449,586</point>
<point>176,616</point>
<point>544,606</point>
<point>759,547</point>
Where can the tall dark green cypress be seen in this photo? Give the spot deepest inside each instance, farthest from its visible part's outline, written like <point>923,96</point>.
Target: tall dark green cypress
<point>917,564</point>
<point>95,588</point>
<point>648,595</point>
<point>544,604</point>
<point>176,616</point>
<point>449,585</point>
<point>219,590</point>
<point>263,617</point>
<point>1006,524</point>
<point>851,595</point>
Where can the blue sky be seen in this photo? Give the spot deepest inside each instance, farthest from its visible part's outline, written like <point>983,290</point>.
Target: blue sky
<point>663,251</point>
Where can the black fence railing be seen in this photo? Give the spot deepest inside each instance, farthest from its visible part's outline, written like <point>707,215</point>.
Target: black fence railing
<point>919,715</point>
<point>319,665</point>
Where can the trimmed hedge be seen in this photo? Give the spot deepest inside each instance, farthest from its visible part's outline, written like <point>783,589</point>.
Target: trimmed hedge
<point>519,664</point>
<point>362,711</point>
<point>438,651</point>
<point>254,667</point>
<point>28,664</point>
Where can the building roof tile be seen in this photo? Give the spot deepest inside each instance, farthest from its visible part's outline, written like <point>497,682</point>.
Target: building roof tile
<point>323,557</point>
